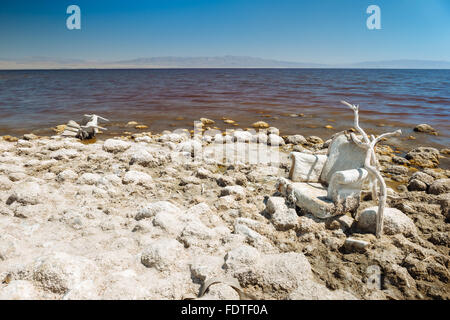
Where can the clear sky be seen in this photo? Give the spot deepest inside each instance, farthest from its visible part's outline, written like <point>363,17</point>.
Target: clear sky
<point>320,31</point>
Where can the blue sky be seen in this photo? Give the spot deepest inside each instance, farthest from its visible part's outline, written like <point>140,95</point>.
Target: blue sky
<point>322,31</point>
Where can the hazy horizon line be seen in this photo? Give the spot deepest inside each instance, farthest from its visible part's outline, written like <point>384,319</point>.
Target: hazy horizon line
<point>205,62</point>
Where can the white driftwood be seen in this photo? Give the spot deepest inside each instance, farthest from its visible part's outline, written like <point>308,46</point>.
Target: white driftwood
<point>88,128</point>
<point>372,165</point>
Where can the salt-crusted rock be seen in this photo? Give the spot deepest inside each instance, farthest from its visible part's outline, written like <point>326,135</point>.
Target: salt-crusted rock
<point>64,154</point>
<point>237,191</point>
<point>191,146</point>
<point>30,136</point>
<point>19,290</point>
<point>205,267</point>
<point>275,140</point>
<point>162,254</point>
<point>296,139</point>
<point>425,157</point>
<point>306,167</point>
<point>282,217</point>
<point>220,291</point>
<point>17,176</point>
<point>395,221</point>
<point>226,202</point>
<point>417,185</point>
<point>284,271</point>
<point>195,233</point>
<point>115,145</point>
<point>285,219</point>
<point>199,209</point>
<point>59,272</point>
<point>145,139</point>
<point>314,140</point>
<point>89,178</point>
<point>137,177</point>
<point>242,136</point>
<point>5,183</point>
<point>261,137</point>
<point>151,209</point>
<point>203,173</point>
<point>168,222</point>
<point>310,290</point>
<point>206,121</point>
<point>260,124</point>
<point>424,128</point>
<point>66,175</point>
<point>241,258</point>
<point>273,130</point>
<point>26,193</point>
<point>355,244</point>
<point>275,204</point>
<point>85,290</point>
<point>172,137</point>
<point>28,211</point>
<point>143,158</point>
<point>440,186</point>
<point>252,235</point>
<point>396,170</point>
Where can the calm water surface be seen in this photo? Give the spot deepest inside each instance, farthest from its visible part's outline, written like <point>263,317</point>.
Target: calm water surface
<point>37,100</point>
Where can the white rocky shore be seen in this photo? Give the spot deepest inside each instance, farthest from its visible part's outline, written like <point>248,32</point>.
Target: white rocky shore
<point>143,218</point>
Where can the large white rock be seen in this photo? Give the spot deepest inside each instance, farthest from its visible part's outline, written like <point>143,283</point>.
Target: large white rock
<point>306,167</point>
<point>64,154</point>
<point>169,223</point>
<point>143,158</point>
<point>26,193</point>
<point>310,290</point>
<point>343,154</point>
<point>59,272</point>
<point>19,290</point>
<point>205,267</point>
<point>284,271</point>
<point>237,191</point>
<point>275,140</point>
<point>241,258</point>
<point>242,136</point>
<point>66,175</point>
<point>116,145</point>
<point>395,221</point>
<point>89,178</point>
<point>137,177</point>
<point>296,139</point>
<point>162,254</point>
<point>152,209</point>
<point>282,217</point>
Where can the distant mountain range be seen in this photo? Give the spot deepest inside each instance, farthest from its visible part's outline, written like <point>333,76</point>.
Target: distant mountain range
<point>208,62</point>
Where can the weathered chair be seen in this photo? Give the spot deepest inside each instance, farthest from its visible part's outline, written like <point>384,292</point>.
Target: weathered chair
<point>327,185</point>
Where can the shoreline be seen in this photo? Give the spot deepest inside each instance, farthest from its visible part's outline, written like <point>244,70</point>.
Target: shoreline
<point>409,139</point>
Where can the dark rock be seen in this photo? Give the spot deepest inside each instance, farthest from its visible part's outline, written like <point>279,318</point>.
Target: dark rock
<point>417,185</point>
<point>425,157</point>
<point>400,160</point>
<point>423,177</point>
<point>440,186</point>
<point>424,128</point>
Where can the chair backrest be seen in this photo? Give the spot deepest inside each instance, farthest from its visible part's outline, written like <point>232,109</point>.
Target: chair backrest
<point>343,154</point>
